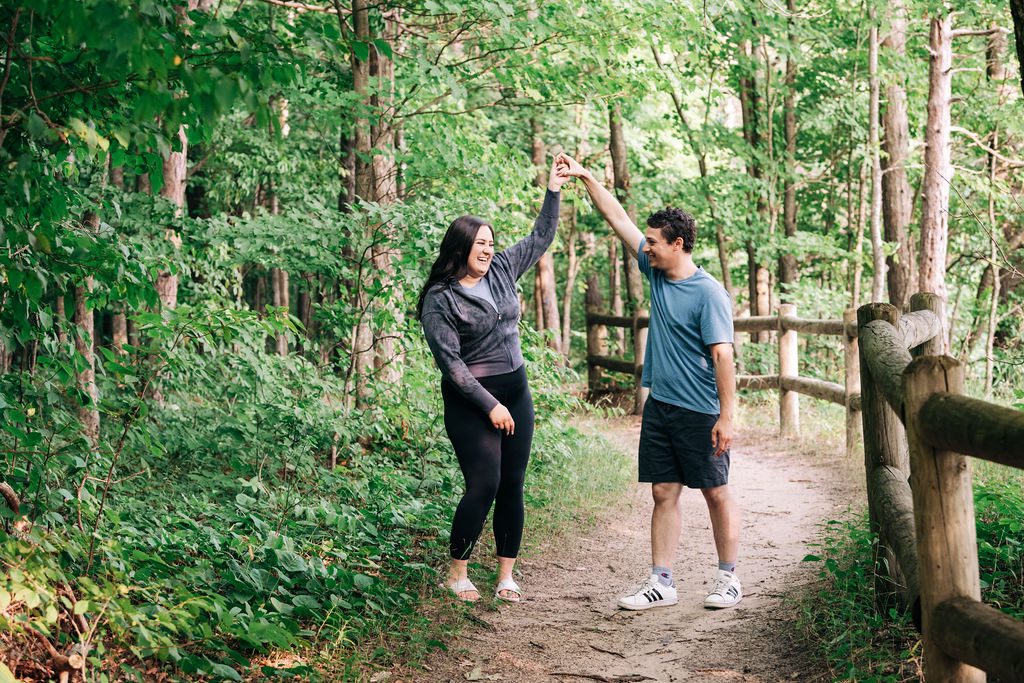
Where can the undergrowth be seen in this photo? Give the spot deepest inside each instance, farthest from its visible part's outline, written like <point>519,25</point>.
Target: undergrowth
<point>208,538</point>
<point>838,618</point>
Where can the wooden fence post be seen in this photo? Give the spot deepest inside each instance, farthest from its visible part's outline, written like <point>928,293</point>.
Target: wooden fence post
<point>943,513</point>
<point>789,367</point>
<point>597,336</point>
<point>851,358</point>
<point>639,350</point>
<point>887,468</point>
<point>885,441</point>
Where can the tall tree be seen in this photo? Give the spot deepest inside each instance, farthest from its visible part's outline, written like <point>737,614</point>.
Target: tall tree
<point>85,344</point>
<point>758,283</point>
<point>938,164</point>
<point>787,259</point>
<point>897,206</point>
<point>385,185</point>
<point>362,339</point>
<point>877,249</point>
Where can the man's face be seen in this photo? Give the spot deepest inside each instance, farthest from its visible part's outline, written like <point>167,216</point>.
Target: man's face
<point>662,254</point>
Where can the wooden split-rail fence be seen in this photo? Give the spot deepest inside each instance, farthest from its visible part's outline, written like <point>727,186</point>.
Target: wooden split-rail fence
<point>918,431</point>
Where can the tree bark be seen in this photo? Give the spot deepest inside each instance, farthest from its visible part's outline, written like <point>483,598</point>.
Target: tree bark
<point>620,169</point>
<point>387,355</point>
<point>897,205</point>
<point>89,413</point>
<point>361,360</point>
<point>174,169</point>
<point>938,171</point>
<point>615,290</point>
<point>119,319</point>
<point>597,335</point>
<point>280,285</point>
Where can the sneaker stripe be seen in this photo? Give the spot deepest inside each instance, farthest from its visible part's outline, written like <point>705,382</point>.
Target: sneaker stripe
<point>655,591</point>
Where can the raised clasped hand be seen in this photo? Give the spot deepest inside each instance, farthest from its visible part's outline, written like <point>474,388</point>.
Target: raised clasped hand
<point>568,167</point>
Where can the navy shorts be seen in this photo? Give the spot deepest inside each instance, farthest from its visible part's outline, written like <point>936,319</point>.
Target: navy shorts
<point>675,446</point>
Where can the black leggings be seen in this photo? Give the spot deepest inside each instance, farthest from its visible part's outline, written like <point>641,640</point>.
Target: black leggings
<point>493,463</point>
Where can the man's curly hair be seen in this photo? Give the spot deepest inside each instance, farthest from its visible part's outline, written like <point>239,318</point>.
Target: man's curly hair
<point>675,224</point>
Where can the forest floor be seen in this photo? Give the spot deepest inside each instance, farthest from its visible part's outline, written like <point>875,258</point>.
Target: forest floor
<point>568,627</point>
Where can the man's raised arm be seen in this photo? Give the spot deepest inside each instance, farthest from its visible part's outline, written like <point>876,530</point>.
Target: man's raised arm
<point>605,202</point>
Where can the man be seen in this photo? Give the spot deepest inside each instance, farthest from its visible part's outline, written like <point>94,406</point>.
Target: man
<point>687,422</point>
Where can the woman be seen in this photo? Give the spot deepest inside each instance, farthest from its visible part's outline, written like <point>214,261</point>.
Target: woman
<point>469,310</point>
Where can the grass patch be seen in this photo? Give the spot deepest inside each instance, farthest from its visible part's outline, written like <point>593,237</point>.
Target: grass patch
<point>837,618</point>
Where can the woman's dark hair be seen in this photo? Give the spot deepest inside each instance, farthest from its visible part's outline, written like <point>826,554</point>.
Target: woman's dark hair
<point>453,255</point>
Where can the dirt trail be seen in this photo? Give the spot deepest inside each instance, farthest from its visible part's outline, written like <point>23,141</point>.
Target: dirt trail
<point>569,629</point>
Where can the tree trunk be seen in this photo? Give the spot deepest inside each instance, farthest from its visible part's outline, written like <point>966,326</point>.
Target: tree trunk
<point>279,282</point>
<point>387,358</point>
<point>759,301</point>
<point>615,291</point>
<point>361,360</point>
<point>877,248</point>
<point>938,170</point>
<point>897,205</point>
<point>787,261</point>
<point>993,310</point>
<point>62,318</point>
<point>858,246</point>
<point>174,167</point>
<point>620,169</point>
<point>597,335</point>
<point>119,329</point>
<point>119,319</point>
<point>572,266</point>
<point>88,414</point>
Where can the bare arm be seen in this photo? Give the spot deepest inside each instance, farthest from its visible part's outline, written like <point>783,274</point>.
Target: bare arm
<point>725,378</point>
<point>605,202</point>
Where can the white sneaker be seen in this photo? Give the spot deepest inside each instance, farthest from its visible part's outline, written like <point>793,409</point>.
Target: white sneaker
<point>652,594</point>
<point>726,592</point>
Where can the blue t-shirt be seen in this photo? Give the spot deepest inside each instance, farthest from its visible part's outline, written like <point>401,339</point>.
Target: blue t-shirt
<point>687,316</point>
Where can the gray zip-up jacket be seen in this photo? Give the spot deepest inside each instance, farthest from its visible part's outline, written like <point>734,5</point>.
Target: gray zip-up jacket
<point>462,329</point>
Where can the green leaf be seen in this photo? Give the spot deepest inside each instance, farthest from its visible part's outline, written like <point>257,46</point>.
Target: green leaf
<point>384,47</point>
<point>361,50</point>
<point>37,128</point>
<point>225,672</point>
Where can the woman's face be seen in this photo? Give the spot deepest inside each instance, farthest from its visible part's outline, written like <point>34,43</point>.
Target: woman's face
<point>481,252</point>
